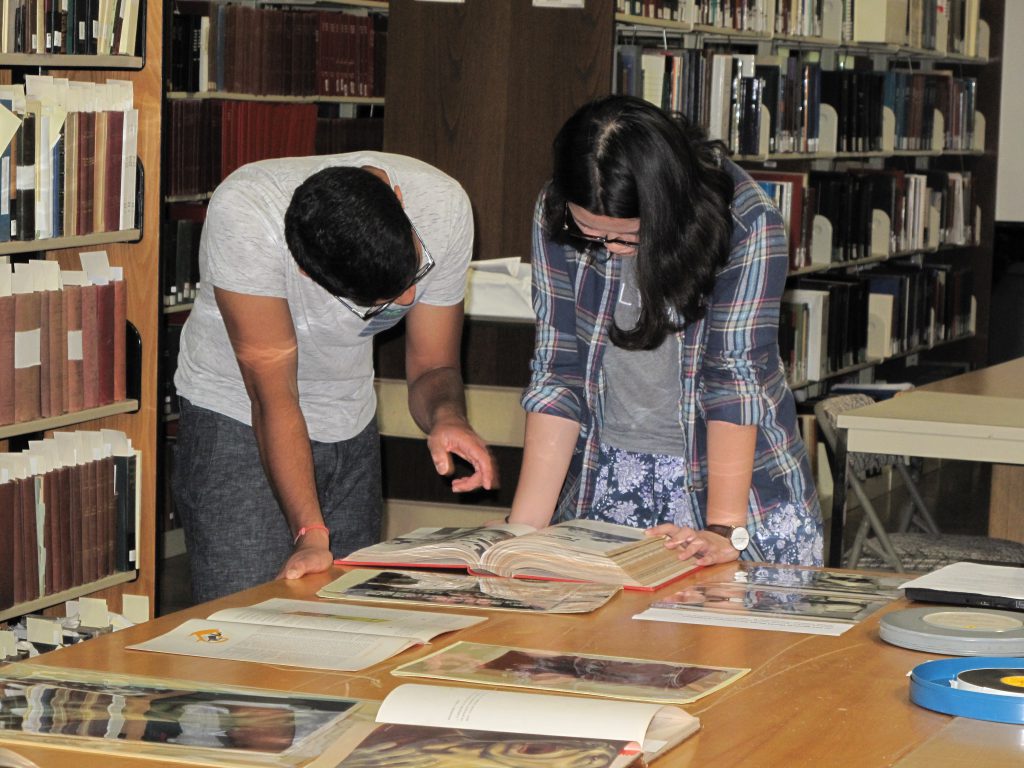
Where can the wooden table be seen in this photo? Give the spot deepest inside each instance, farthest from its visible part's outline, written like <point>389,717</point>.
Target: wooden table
<point>977,416</point>
<point>808,701</point>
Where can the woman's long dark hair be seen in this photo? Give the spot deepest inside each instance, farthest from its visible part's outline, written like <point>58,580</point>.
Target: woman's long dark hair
<point>622,157</point>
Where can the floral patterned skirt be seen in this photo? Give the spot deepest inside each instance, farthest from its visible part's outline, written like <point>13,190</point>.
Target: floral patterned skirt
<point>642,490</point>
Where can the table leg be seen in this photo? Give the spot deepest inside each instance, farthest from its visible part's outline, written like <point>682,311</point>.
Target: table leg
<point>1005,516</point>
<point>835,547</point>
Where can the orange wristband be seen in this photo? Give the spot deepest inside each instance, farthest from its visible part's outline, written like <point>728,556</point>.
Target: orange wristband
<point>307,528</point>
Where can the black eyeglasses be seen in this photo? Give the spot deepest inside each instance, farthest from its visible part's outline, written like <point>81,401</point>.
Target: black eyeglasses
<point>426,264</point>
<point>571,229</point>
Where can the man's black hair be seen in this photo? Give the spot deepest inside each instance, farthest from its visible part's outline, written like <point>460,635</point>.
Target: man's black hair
<point>346,229</point>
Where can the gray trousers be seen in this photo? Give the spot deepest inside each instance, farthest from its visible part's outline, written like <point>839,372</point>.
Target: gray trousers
<point>235,532</point>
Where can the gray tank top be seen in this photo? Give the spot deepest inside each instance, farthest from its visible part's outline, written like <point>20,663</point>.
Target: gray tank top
<point>643,388</point>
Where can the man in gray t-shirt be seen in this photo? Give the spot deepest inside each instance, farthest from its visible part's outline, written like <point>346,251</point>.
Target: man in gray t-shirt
<point>302,261</point>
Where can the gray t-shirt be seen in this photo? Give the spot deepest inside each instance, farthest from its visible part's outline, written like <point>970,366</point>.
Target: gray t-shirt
<point>243,250</point>
<point>642,388</point>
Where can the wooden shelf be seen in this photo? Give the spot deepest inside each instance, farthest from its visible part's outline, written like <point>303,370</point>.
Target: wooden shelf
<point>47,601</point>
<point>70,61</point>
<point>67,419</point>
<point>312,99</point>
<point>176,308</point>
<point>77,241</point>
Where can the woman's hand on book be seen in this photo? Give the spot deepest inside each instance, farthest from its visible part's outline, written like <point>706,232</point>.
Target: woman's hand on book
<point>705,547</point>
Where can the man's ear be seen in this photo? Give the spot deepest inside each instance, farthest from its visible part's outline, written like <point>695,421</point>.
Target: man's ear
<point>398,193</point>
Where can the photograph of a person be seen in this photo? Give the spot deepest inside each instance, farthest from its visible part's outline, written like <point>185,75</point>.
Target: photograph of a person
<point>582,673</point>
<point>828,581</point>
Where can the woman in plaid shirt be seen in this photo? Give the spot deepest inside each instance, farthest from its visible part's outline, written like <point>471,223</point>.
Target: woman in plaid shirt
<point>657,397</point>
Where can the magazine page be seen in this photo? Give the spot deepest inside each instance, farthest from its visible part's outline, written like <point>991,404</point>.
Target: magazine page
<point>514,712</point>
<point>312,648</point>
<point>769,575</point>
<point>360,619</point>
<point>176,721</point>
<point>453,547</point>
<point>301,633</point>
<point>457,590</point>
<point>609,676</point>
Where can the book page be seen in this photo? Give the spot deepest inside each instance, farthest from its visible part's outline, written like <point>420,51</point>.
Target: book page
<point>972,578</point>
<point>437,546</point>
<point>359,619</point>
<point>581,673</point>
<point>313,648</point>
<point>513,712</point>
<point>463,591</point>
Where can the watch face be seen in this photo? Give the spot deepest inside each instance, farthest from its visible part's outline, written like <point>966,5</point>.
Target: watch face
<point>740,538</point>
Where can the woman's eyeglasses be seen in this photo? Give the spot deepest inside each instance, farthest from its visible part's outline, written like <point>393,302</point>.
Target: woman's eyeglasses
<point>366,313</point>
<point>572,230</point>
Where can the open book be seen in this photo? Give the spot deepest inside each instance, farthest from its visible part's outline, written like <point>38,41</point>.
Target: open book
<point>301,633</point>
<point>576,550</point>
<point>442,727</point>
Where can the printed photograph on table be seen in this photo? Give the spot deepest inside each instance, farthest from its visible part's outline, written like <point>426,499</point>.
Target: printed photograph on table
<point>739,598</point>
<point>762,574</point>
<point>173,720</point>
<point>590,674</point>
<point>462,591</point>
<point>417,746</point>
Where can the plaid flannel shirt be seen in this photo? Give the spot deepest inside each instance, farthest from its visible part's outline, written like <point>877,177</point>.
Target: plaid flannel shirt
<point>730,360</point>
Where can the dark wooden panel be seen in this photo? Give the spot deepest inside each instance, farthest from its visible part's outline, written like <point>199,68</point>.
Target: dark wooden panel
<point>408,473</point>
<point>493,353</point>
<point>479,89</point>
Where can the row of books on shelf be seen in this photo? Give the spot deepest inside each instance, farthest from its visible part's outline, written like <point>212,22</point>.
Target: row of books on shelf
<point>828,324</point>
<point>761,104</point>
<point>241,49</point>
<point>842,216</point>
<point>71,150</point>
<point>101,27</point>
<point>210,138</point>
<point>943,26</point>
<point>69,508</point>
<point>62,338</point>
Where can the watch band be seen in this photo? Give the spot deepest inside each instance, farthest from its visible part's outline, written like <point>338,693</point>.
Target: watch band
<point>736,535</point>
<point>724,531</point>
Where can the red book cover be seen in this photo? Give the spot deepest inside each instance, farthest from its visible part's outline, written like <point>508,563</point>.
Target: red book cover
<point>62,557</point>
<point>45,375</point>
<point>105,342</point>
<point>120,340</point>
<point>76,523</point>
<point>74,383</point>
<point>112,172</point>
<point>27,328</point>
<point>90,346</point>
<point>56,344</point>
<point>29,548</point>
<point>86,171</point>
<point>89,523</point>
<point>108,497</point>
<point>17,534</point>
<point>6,366</point>
<point>8,543</point>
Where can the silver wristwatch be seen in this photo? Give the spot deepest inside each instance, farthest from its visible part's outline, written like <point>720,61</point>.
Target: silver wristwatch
<point>738,536</point>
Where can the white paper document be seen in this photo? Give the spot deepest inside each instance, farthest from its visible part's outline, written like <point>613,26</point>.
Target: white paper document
<point>994,580</point>
<point>744,621</point>
<point>302,633</point>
